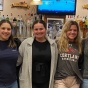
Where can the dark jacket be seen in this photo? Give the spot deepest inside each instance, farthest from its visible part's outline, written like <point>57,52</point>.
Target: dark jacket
<point>85,57</point>
<point>18,42</point>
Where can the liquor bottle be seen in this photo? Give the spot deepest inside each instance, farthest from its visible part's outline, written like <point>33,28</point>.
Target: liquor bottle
<point>29,28</point>
<point>25,16</point>
<point>7,18</point>
<point>3,17</point>
<point>0,16</point>
<point>14,30</point>
<point>86,21</point>
<point>18,18</point>
<point>14,19</point>
<point>40,16</point>
<point>21,26</point>
<point>11,18</point>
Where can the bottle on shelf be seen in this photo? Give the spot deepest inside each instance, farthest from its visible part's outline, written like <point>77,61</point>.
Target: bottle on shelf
<point>35,17</point>
<point>21,26</point>
<point>25,18</point>
<point>14,31</point>
<point>29,28</point>
<point>86,22</point>
<point>11,18</point>
<point>21,19</point>
<point>3,17</point>
<point>14,19</point>
<point>0,16</point>
<point>40,16</point>
<point>18,18</point>
<point>7,18</point>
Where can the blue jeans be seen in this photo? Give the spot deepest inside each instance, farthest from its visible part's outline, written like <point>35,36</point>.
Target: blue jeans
<point>13,85</point>
<point>85,83</point>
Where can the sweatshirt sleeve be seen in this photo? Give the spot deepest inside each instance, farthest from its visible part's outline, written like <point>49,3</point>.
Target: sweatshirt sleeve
<point>81,58</point>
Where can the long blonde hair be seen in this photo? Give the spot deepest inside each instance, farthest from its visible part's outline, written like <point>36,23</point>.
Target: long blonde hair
<point>63,40</point>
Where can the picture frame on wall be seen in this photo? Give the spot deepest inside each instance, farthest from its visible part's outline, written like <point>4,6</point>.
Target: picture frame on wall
<point>54,27</point>
<point>1,5</point>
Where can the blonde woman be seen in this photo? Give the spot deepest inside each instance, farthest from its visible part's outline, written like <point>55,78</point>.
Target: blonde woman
<point>69,46</point>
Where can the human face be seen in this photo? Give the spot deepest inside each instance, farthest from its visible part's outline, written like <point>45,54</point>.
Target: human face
<point>5,31</point>
<point>39,31</point>
<point>72,33</point>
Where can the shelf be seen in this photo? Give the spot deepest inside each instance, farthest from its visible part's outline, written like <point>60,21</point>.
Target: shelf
<point>20,4</point>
